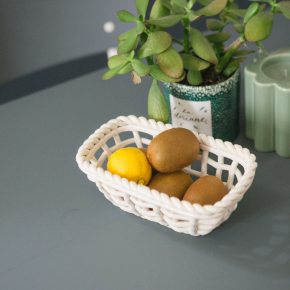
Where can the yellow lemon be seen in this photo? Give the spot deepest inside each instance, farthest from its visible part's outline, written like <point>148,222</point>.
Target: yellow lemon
<point>132,164</point>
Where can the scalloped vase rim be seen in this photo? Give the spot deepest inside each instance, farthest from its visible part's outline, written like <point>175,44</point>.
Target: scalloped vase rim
<point>257,68</point>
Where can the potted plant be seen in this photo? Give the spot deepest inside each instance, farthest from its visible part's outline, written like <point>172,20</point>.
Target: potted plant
<point>201,80</point>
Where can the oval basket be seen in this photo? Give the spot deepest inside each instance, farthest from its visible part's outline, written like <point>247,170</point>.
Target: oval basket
<point>181,216</point>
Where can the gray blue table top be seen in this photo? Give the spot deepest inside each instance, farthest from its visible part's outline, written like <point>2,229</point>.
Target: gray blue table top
<point>57,231</point>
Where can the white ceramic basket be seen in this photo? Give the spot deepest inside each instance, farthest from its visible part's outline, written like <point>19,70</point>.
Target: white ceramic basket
<point>181,216</point>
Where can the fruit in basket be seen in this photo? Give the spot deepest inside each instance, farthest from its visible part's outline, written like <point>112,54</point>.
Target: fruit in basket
<point>173,150</point>
<point>144,150</point>
<point>173,184</point>
<point>130,163</point>
<point>207,190</point>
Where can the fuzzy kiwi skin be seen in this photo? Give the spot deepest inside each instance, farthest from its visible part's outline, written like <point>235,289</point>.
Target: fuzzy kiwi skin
<point>173,184</point>
<point>154,171</point>
<point>144,150</point>
<point>173,150</point>
<point>206,190</point>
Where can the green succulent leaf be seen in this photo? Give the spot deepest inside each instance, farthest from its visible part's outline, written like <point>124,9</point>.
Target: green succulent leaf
<point>116,60</point>
<point>112,72</point>
<point>214,8</point>
<point>262,7</point>
<point>238,12</point>
<point>141,6</point>
<point>140,27</point>
<point>242,52</point>
<point>233,5</point>
<point>204,2</point>
<point>222,14</point>
<point>191,62</point>
<point>240,28</point>
<point>136,42</point>
<point>166,21</point>
<point>251,11</point>
<point>128,44</point>
<point>170,62</point>
<point>219,48</point>
<point>126,69</point>
<point>157,42</point>
<point>218,37</point>
<point>144,38</point>
<point>232,66</point>
<point>230,17</point>
<point>214,24</point>
<point>192,16</point>
<point>190,4</point>
<point>159,10</point>
<point>172,7</point>
<point>194,77</point>
<point>140,68</point>
<point>157,105</point>
<point>125,35</point>
<point>126,16</point>
<point>259,27</point>
<point>177,8</point>
<point>201,46</point>
<point>181,3</point>
<point>284,6</point>
<point>158,74</point>
<point>121,42</point>
<point>129,55</point>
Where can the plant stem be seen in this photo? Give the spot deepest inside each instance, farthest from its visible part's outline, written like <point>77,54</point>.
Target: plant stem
<point>273,7</point>
<point>220,66</point>
<point>186,41</point>
<point>216,45</point>
<point>224,21</point>
<point>260,44</point>
<point>178,41</point>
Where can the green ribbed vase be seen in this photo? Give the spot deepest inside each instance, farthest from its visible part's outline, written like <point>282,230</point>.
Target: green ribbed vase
<point>267,102</point>
<point>210,110</point>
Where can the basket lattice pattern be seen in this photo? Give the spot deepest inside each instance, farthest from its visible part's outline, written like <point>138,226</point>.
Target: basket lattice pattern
<point>181,216</point>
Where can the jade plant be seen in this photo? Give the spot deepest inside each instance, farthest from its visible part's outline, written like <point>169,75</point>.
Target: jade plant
<point>201,59</point>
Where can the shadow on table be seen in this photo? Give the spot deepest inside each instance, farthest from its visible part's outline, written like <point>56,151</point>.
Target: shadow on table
<point>255,237</point>
<point>51,76</point>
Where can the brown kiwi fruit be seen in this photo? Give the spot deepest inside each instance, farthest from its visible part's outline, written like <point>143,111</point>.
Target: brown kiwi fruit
<point>144,150</point>
<point>174,184</point>
<point>154,171</point>
<point>205,191</point>
<point>173,150</point>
